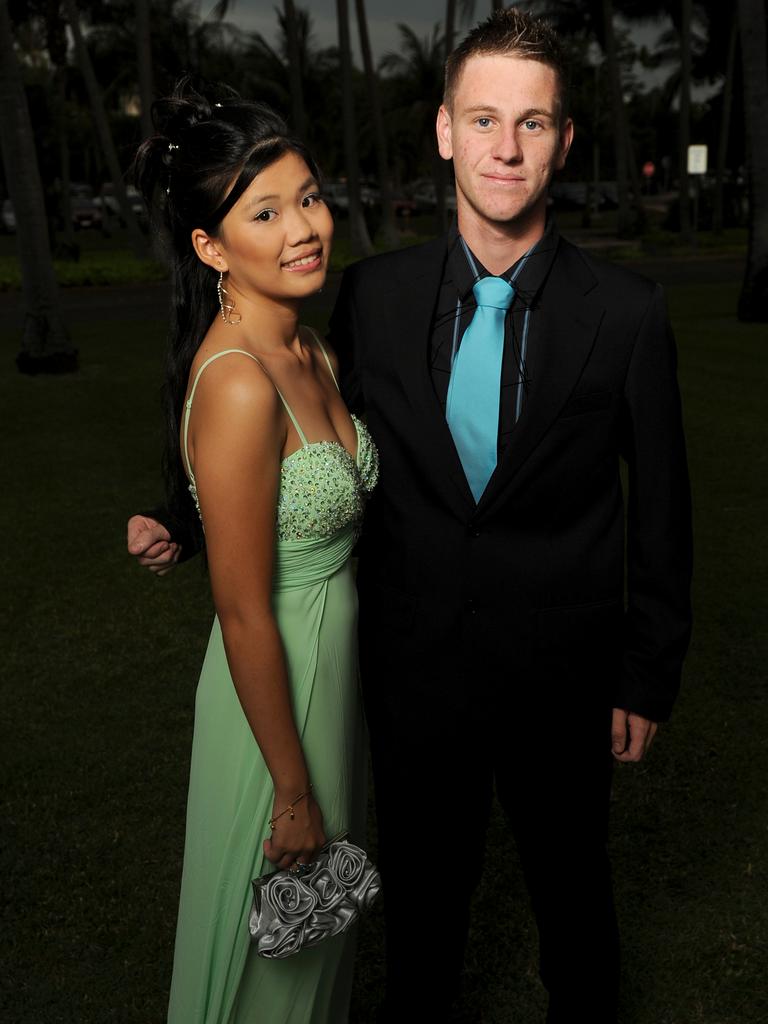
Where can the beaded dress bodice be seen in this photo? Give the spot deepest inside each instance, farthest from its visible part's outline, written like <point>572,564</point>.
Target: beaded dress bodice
<point>322,486</point>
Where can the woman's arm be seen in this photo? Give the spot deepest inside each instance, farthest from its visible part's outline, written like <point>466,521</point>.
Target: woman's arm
<point>237,433</point>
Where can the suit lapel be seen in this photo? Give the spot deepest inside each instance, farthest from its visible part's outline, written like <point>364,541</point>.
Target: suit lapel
<point>410,308</point>
<point>569,319</point>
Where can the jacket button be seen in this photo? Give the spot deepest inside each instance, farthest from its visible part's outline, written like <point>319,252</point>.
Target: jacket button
<point>473,531</point>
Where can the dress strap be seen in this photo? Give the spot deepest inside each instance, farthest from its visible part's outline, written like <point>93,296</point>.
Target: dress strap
<point>188,403</point>
<point>317,338</point>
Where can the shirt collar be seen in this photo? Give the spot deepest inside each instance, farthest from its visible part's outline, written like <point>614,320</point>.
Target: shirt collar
<point>465,268</point>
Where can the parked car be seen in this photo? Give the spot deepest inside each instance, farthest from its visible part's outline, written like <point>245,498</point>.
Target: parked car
<point>106,200</point>
<point>336,198</point>
<point>404,206</point>
<point>424,195</point>
<point>85,212</point>
<point>8,217</point>
<point>573,195</point>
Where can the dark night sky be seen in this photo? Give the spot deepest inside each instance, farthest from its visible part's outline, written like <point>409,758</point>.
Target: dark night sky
<point>383,17</point>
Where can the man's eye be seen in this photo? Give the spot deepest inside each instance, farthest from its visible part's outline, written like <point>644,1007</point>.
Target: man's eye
<point>483,122</point>
<point>532,125</point>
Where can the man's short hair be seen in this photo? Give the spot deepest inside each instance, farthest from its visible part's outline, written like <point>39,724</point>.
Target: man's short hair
<point>510,33</point>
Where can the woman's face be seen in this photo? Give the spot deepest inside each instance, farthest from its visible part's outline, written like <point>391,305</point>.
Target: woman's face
<point>276,239</point>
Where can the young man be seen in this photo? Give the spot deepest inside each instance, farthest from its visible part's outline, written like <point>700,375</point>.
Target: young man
<point>497,648</point>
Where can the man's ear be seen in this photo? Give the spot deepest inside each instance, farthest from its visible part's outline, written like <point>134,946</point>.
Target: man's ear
<point>566,138</point>
<point>208,250</point>
<point>444,136</point>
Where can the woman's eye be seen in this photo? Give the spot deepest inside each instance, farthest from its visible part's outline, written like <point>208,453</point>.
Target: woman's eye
<point>266,215</point>
<point>311,199</point>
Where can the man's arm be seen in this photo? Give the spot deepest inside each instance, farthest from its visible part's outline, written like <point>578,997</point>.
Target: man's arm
<point>659,546</point>
<point>344,337</point>
<point>631,735</point>
<point>158,539</point>
<point>150,542</point>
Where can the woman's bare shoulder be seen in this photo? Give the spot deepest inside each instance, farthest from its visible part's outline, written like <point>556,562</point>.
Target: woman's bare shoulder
<point>234,381</point>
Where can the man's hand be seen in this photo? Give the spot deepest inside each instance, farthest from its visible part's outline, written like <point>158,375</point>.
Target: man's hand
<point>151,543</point>
<point>631,735</point>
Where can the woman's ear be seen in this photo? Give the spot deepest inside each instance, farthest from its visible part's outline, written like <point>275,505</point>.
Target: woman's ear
<point>208,250</point>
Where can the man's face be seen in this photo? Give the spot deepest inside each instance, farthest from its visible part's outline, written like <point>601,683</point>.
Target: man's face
<point>505,139</point>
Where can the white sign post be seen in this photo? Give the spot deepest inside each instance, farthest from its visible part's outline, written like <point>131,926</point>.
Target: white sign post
<point>697,165</point>
<point>697,159</point>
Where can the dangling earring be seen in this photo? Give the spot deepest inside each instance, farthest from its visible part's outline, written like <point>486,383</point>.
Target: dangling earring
<point>226,304</point>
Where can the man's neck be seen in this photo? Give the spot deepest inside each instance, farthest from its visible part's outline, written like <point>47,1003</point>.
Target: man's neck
<point>499,246</point>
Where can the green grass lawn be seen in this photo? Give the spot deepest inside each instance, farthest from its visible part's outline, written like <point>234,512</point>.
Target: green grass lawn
<point>100,664</point>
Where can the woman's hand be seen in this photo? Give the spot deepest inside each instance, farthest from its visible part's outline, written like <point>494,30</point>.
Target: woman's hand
<point>298,839</point>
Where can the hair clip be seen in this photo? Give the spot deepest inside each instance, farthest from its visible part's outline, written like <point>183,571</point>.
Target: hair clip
<point>172,146</point>
<point>218,104</point>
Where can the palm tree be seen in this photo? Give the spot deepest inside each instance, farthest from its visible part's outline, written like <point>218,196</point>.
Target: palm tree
<point>56,43</point>
<point>290,22</point>
<point>686,11</point>
<point>358,232</point>
<point>144,64</point>
<point>390,234</point>
<point>725,123</point>
<point>102,128</point>
<point>45,343</point>
<point>270,72</point>
<point>450,25</point>
<point>419,67</point>
<point>753,300</point>
<point>621,133</point>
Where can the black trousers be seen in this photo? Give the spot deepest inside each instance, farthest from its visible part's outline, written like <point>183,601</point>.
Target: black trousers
<point>436,763</point>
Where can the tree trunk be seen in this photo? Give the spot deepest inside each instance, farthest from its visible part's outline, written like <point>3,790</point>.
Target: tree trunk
<point>753,300</point>
<point>440,172</point>
<point>636,203</point>
<point>389,232</point>
<point>45,346</point>
<point>102,129</point>
<point>686,230</point>
<point>358,232</point>
<point>295,71</point>
<point>65,205</point>
<point>450,26</point>
<point>56,44</point>
<point>144,63</point>
<point>725,129</point>
<point>592,200</point>
<point>625,226</point>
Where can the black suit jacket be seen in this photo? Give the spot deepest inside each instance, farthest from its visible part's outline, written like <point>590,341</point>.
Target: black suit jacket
<point>526,592</point>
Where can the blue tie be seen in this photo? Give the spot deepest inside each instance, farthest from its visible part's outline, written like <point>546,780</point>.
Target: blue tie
<point>474,391</point>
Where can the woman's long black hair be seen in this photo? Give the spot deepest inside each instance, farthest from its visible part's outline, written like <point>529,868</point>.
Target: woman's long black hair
<point>209,145</point>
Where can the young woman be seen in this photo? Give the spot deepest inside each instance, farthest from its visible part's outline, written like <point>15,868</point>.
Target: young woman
<point>279,472</point>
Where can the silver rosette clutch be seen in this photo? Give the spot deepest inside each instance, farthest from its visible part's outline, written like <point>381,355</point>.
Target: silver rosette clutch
<point>292,912</point>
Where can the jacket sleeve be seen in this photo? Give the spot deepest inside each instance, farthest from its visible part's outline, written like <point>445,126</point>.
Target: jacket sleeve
<point>657,623</point>
<point>346,339</point>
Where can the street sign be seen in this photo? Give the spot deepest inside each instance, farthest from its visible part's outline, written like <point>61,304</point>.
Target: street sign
<point>697,159</point>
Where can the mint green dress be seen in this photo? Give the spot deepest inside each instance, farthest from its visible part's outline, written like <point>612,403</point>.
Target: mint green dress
<point>217,978</point>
